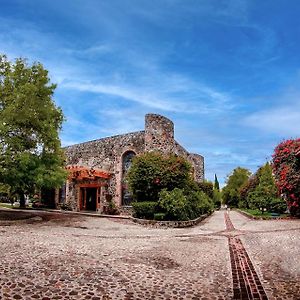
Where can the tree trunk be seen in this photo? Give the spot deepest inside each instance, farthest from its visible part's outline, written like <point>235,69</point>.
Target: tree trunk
<point>22,200</point>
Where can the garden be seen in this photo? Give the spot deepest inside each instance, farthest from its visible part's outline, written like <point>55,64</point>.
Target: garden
<point>163,189</point>
<point>273,190</point>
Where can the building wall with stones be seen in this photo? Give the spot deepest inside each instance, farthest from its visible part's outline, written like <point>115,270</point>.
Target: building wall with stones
<point>108,154</point>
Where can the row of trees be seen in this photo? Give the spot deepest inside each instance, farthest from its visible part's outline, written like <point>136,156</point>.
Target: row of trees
<point>257,191</point>
<point>272,187</point>
<point>164,189</point>
<point>30,149</point>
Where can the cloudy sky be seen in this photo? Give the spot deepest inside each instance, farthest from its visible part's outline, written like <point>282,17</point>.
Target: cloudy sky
<point>227,72</point>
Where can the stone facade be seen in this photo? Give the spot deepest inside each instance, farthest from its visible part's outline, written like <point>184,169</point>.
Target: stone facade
<point>111,156</point>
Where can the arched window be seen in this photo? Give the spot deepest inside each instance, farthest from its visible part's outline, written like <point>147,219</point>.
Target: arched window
<point>126,164</point>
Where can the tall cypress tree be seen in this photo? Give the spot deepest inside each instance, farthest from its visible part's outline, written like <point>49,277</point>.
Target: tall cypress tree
<point>216,185</point>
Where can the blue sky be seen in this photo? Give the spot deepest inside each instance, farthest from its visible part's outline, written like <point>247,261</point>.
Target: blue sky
<point>226,72</point>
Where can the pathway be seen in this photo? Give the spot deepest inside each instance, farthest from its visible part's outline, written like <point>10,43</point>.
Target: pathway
<point>227,257</point>
<point>246,283</point>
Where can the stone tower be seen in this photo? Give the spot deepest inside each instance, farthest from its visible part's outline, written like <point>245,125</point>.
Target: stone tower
<point>159,133</point>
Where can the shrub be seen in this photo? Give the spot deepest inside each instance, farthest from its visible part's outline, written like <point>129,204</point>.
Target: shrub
<point>144,210</point>
<point>152,172</point>
<point>159,216</point>
<point>277,205</point>
<point>112,209</point>
<point>174,203</point>
<point>258,201</point>
<point>286,168</point>
<point>217,198</point>
<point>207,187</point>
<point>204,203</point>
<point>66,206</point>
<point>181,206</point>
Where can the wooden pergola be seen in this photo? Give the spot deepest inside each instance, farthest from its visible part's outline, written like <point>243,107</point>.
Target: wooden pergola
<point>82,172</point>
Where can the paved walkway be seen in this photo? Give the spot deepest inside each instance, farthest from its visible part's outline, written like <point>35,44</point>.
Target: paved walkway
<point>66,257</point>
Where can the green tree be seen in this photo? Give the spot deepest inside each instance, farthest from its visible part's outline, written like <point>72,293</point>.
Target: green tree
<point>235,181</point>
<point>265,192</point>
<point>207,187</point>
<point>217,198</point>
<point>216,184</point>
<point>152,172</point>
<point>31,155</point>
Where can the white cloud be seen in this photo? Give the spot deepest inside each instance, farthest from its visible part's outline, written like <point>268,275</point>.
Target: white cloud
<point>126,93</point>
<point>161,97</point>
<point>282,120</point>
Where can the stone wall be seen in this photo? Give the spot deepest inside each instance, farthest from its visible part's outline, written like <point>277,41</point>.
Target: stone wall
<point>198,164</point>
<point>159,134</point>
<point>196,160</point>
<point>106,154</point>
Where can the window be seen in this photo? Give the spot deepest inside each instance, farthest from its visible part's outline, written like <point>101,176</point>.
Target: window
<point>126,164</point>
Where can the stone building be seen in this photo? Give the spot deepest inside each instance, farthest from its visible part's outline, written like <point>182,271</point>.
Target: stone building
<point>97,168</point>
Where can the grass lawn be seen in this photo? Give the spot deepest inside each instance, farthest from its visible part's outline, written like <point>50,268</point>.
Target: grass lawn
<point>257,213</point>
<point>6,205</point>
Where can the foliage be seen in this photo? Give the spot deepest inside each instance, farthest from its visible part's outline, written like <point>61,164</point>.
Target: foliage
<point>181,206</point>
<point>235,181</point>
<point>260,192</point>
<point>112,209</point>
<point>31,156</point>
<point>217,198</point>
<point>4,189</point>
<point>152,172</point>
<point>144,210</point>
<point>207,187</point>
<point>174,203</point>
<point>159,216</point>
<point>216,184</point>
<point>277,205</point>
<point>265,191</point>
<point>248,187</point>
<point>200,204</point>
<point>286,169</point>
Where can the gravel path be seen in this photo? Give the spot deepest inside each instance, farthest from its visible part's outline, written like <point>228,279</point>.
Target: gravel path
<point>55,256</point>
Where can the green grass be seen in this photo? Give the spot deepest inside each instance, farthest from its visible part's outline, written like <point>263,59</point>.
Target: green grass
<point>6,205</point>
<point>257,213</point>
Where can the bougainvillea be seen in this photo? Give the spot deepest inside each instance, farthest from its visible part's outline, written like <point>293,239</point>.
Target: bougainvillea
<point>286,168</point>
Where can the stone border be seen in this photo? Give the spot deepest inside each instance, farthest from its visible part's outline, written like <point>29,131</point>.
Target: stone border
<point>171,224</point>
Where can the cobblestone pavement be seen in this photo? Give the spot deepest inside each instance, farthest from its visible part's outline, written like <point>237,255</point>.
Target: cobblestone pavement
<point>246,283</point>
<point>54,256</point>
<point>274,248</point>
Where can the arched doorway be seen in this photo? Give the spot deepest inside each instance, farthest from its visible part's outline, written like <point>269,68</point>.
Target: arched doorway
<point>126,164</point>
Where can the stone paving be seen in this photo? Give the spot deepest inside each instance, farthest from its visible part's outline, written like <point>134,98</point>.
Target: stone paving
<point>246,283</point>
<point>55,256</point>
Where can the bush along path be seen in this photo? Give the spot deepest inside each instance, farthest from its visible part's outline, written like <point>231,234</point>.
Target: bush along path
<point>246,283</point>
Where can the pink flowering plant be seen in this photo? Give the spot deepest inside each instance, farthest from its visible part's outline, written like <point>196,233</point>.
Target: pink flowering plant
<point>286,169</point>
